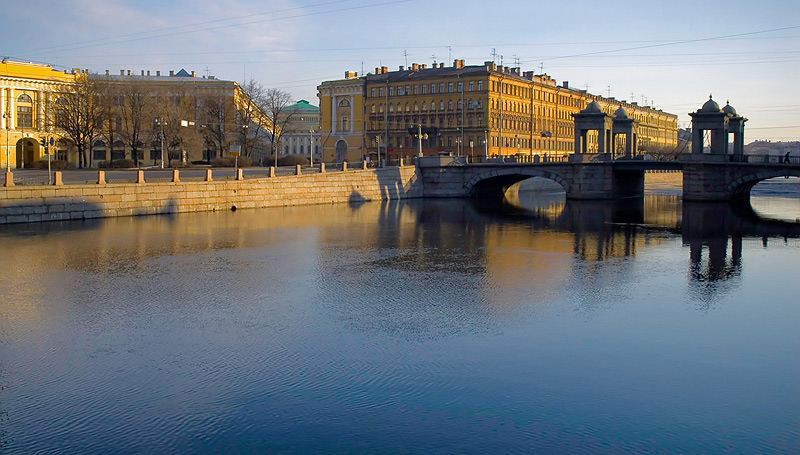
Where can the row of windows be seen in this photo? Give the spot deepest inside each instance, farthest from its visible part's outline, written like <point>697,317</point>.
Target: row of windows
<point>471,104</point>
<point>424,89</point>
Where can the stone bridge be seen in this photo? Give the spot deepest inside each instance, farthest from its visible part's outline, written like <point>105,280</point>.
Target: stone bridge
<point>599,179</point>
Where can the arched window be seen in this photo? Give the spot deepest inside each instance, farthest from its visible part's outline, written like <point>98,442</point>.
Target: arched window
<point>24,111</point>
<point>344,103</point>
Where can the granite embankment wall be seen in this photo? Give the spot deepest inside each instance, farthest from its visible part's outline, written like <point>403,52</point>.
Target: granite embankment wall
<point>26,204</point>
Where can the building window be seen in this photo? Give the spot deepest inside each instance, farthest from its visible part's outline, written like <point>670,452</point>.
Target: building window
<point>480,85</point>
<point>24,117</point>
<point>380,91</point>
<point>450,105</point>
<point>460,87</point>
<point>471,85</point>
<point>372,92</point>
<point>433,89</point>
<point>416,89</point>
<point>441,87</point>
<point>449,87</point>
<point>391,91</point>
<point>407,91</point>
<point>441,105</point>
<point>424,89</point>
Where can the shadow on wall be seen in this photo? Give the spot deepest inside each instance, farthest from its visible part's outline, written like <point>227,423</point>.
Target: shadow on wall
<point>392,186</point>
<point>63,209</point>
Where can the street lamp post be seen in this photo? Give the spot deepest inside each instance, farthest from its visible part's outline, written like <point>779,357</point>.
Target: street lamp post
<point>420,137</point>
<point>161,124</point>
<point>311,146</point>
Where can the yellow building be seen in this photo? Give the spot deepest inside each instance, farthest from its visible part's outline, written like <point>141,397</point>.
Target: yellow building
<point>26,91</point>
<point>479,111</point>
<point>192,118</point>
<point>341,106</point>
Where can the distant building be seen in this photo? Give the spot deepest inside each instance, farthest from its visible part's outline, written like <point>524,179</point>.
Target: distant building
<point>193,118</point>
<point>772,148</point>
<point>301,130</point>
<point>477,110</point>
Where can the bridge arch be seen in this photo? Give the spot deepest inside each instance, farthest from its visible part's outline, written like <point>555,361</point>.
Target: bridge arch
<point>495,182</point>
<point>740,187</point>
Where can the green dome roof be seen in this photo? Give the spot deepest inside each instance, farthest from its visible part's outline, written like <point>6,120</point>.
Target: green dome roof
<point>302,105</point>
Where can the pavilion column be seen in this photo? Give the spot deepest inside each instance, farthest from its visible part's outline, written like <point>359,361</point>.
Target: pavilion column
<point>697,141</point>
<point>11,108</point>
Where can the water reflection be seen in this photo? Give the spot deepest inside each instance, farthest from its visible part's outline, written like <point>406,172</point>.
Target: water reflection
<point>337,328</point>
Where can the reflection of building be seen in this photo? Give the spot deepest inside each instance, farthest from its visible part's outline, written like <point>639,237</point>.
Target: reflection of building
<point>473,110</point>
<point>31,94</point>
<point>301,129</point>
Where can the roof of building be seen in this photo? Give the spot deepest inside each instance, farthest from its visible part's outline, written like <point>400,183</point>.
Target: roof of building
<point>710,106</point>
<point>592,108</point>
<point>302,106</point>
<point>728,109</point>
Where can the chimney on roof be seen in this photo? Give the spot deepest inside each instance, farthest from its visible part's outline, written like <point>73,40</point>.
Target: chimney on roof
<point>458,64</point>
<point>402,68</point>
<point>171,73</point>
<point>415,66</point>
<point>194,74</point>
<point>565,84</point>
<point>424,66</point>
<point>121,72</point>
<point>142,72</point>
<point>148,72</point>
<point>384,69</point>
<point>350,74</point>
<point>528,75</point>
<point>106,72</point>
<point>129,72</point>
<point>158,73</point>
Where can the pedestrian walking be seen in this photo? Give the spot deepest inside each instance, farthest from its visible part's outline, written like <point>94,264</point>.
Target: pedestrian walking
<point>786,158</point>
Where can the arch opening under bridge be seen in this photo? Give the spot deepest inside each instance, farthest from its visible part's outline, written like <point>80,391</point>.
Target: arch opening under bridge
<point>495,182</point>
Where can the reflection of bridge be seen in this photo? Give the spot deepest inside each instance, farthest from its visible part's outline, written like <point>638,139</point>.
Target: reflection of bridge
<point>703,180</point>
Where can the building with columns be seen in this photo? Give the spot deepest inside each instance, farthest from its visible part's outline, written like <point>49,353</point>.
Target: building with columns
<point>301,130</point>
<point>481,111</point>
<point>26,96</point>
<point>193,118</point>
<point>342,133</point>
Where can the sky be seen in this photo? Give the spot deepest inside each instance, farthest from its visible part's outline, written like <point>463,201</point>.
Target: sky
<point>671,55</point>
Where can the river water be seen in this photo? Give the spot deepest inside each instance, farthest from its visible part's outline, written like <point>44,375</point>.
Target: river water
<point>642,326</point>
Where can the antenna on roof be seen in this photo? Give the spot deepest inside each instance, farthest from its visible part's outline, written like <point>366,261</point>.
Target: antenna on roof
<point>494,55</point>
<point>405,54</point>
<point>541,67</point>
<point>449,53</point>
<point>434,60</point>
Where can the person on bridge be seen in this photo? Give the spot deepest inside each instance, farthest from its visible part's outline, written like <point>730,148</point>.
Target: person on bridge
<point>786,158</point>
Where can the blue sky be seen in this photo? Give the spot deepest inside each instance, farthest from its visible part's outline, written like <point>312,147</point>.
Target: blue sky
<point>668,54</point>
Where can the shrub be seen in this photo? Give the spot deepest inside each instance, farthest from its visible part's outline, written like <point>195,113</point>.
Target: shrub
<point>179,163</point>
<point>292,160</point>
<point>123,163</point>
<point>56,165</point>
<point>230,161</point>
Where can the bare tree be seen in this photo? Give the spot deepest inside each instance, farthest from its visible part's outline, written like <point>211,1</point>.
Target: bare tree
<point>216,112</point>
<point>78,115</point>
<point>274,107</point>
<point>110,102</point>
<point>252,124</point>
<point>175,129</point>
<point>135,115</point>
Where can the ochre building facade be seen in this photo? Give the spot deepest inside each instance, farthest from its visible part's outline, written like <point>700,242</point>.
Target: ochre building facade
<point>482,111</point>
